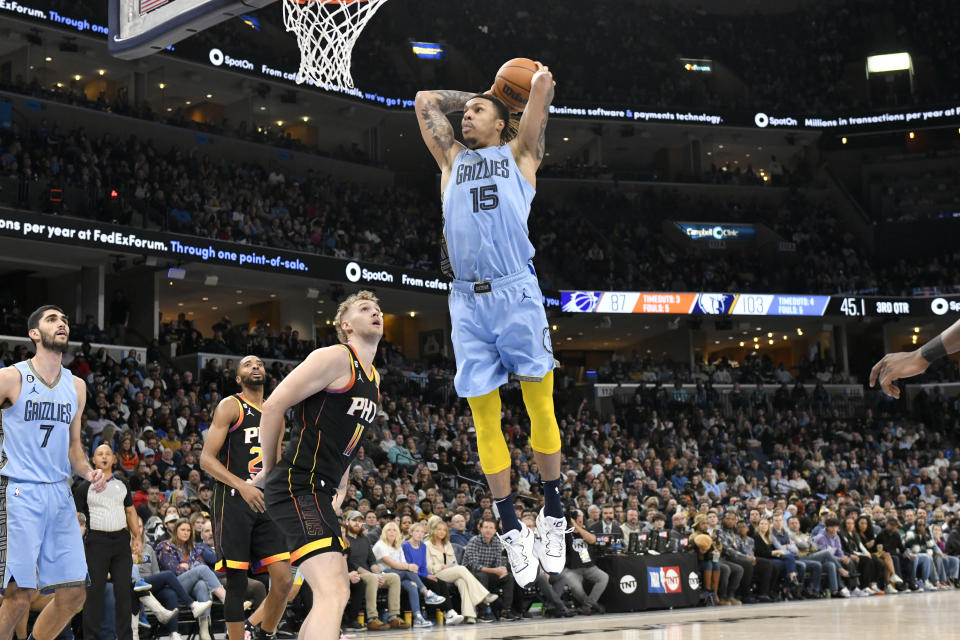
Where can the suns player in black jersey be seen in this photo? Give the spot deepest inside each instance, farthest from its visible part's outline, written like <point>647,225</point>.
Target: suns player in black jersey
<point>245,537</point>
<point>334,394</point>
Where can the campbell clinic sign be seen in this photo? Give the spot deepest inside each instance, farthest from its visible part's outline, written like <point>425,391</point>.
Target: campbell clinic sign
<point>709,231</point>
<point>185,249</point>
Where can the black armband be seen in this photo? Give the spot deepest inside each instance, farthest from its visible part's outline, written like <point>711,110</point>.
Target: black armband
<point>933,350</point>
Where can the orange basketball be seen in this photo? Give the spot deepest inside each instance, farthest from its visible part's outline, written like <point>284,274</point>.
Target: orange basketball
<point>513,83</point>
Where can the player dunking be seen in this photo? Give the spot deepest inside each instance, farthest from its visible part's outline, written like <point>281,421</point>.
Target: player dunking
<point>336,391</point>
<point>40,543</point>
<point>496,308</point>
<point>245,537</point>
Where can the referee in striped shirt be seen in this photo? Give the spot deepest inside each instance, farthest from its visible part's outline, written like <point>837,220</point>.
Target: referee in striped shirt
<point>110,519</point>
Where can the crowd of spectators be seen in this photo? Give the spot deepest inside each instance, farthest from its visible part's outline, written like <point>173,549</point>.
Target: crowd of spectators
<point>656,462</point>
<point>813,69</point>
<point>189,192</point>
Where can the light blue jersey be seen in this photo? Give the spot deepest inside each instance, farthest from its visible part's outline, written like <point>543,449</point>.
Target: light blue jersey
<point>485,208</point>
<point>35,430</point>
<point>499,326</point>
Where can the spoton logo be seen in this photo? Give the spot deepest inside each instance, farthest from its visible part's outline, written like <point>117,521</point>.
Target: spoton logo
<point>353,272</point>
<point>219,58</point>
<point>761,120</point>
<point>216,57</point>
<point>939,306</point>
<point>628,584</point>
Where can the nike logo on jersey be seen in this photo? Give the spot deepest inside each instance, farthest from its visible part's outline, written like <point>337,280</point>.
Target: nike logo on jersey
<point>363,409</point>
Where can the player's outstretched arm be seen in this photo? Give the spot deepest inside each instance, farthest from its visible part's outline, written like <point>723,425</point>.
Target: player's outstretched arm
<point>432,108</point>
<point>905,364</point>
<point>321,369</point>
<point>530,143</point>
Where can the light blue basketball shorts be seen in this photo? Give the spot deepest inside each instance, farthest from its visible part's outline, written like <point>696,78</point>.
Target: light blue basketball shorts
<point>40,542</point>
<point>499,328</point>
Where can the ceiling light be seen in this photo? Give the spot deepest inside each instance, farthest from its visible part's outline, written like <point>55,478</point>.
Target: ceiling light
<point>770,341</point>
<point>204,298</point>
<point>799,331</point>
<point>239,292</point>
<point>187,102</point>
<point>59,85</point>
<point>843,140</point>
<point>273,295</point>
<point>770,334</point>
<point>279,123</point>
<point>263,108</point>
<point>554,327</point>
<point>78,76</point>
<point>101,72</point>
<point>413,314</point>
<point>179,304</point>
<point>916,329</point>
<point>756,339</point>
<point>162,86</point>
<point>239,301</point>
<point>566,139</point>
<point>306,118</point>
<point>741,343</point>
<point>48,59</point>
<point>209,95</point>
<point>214,308</point>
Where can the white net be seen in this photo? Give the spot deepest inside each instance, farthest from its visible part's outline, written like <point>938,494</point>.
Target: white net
<point>326,32</point>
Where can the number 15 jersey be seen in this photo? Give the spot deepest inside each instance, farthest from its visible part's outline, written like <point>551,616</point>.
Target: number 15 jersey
<point>485,208</point>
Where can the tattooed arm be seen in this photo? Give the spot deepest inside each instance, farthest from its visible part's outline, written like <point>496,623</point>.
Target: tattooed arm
<point>528,146</point>
<point>437,132</point>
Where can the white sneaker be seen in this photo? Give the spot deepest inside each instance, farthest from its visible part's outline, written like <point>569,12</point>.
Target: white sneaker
<point>421,623</point>
<point>552,552</point>
<point>452,617</point>
<point>200,608</point>
<point>523,563</point>
<point>176,636</point>
<point>432,598</point>
<point>929,586</point>
<point>163,614</point>
<point>844,593</point>
<point>491,598</point>
<point>891,590</point>
<point>895,579</point>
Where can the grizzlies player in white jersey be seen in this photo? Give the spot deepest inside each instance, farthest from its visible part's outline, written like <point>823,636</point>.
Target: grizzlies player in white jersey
<point>496,309</point>
<point>40,450</point>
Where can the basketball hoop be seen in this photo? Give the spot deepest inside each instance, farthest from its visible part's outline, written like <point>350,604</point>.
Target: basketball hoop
<point>326,32</point>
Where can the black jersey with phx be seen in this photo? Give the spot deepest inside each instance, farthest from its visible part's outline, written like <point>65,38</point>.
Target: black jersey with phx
<point>242,453</point>
<point>327,430</point>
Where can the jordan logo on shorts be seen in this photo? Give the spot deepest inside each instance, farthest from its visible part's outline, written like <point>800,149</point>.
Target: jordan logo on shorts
<point>525,296</point>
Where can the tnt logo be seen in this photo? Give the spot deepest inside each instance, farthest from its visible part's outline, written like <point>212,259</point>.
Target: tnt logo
<point>628,584</point>
<point>663,580</point>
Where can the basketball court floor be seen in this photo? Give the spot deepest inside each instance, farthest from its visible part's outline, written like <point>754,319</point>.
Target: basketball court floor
<point>921,615</point>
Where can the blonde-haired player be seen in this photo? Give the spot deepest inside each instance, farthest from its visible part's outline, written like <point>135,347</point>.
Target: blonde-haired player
<point>334,393</point>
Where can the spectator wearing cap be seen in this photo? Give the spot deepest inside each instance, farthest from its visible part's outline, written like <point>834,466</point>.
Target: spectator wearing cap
<point>362,560</point>
<point>731,552</point>
<point>829,540</point>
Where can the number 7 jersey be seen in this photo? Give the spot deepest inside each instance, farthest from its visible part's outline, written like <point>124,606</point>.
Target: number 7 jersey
<point>486,204</point>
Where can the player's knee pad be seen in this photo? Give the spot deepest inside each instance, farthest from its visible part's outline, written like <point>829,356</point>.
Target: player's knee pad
<point>494,454</point>
<point>538,399</point>
<point>236,590</point>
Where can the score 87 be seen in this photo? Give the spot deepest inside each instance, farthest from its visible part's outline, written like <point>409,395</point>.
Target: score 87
<point>618,303</point>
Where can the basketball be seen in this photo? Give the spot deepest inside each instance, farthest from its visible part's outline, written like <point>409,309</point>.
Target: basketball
<point>513,82</point>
